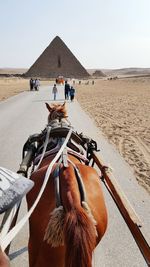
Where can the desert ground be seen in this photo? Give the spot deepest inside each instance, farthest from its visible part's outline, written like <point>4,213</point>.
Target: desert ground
<point>121,110</point>
<point>11,86</point>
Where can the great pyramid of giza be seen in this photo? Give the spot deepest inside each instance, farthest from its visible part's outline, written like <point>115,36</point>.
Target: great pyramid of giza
<point>57,59</point>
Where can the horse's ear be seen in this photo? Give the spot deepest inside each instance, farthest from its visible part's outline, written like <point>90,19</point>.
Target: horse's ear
<point>64,104</point>
<point>48,107</point>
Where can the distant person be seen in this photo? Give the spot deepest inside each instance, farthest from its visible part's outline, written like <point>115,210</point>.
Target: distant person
<point>79,82</point>
<point>31,84</point>
<point>67,89</point>
<point>54,91</point>
<point>37,84</point>
<point>72,93</point>
<point>69,97</point>
<point>93,82</point>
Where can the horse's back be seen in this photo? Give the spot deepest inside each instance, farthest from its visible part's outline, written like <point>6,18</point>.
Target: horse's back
<point>47,255</point>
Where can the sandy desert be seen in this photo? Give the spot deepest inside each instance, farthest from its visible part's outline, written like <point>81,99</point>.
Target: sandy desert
<point>121,110</point>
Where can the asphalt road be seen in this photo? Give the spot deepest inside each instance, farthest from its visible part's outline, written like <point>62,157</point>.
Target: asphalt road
<point>25,114</point>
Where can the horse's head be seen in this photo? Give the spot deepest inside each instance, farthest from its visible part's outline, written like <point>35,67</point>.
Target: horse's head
<point>56,111</point>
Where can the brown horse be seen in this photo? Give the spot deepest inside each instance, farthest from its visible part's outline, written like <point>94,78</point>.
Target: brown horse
<point>65,236</point>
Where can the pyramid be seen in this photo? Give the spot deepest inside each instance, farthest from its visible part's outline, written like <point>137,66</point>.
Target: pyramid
<point>99,73</point>
<point>57,59</point>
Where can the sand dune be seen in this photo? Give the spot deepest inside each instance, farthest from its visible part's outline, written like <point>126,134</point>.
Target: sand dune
<point>123,71</point>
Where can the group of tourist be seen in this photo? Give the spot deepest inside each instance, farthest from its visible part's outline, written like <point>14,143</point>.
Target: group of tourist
<point>69,91</point>
<point>34,84</point>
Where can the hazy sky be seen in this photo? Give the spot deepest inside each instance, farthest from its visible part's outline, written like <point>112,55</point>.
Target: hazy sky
<point>100,33</point>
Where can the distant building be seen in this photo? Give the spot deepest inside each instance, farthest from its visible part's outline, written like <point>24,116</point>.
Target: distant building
<point>99,73</point>
<point>57,60</point>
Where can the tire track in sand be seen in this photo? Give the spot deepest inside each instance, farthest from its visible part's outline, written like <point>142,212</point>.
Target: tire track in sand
<point>143,148</point>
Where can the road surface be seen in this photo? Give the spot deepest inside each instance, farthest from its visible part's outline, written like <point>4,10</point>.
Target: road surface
<point>26,114</point>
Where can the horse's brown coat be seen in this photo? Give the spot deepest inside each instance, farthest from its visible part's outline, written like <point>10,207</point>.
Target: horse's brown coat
<point>79,234</point>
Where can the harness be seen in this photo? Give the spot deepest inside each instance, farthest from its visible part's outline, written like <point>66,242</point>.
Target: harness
<point>38,148</point>
<point>55,134</point>
<point>78,145</point>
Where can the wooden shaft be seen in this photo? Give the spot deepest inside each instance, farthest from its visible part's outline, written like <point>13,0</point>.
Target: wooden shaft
<point>26,162</point>
<point>124,207</point>
<point>11,226</point>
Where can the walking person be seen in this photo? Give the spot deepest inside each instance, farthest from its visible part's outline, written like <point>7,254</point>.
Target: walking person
<point>54,91</point>
<point>72,93</point>
<point>67,89</point>
<point>31,84</point>
<point>69,97</point>
<point>37,84</point>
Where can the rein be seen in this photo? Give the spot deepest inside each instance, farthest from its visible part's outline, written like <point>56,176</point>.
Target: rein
<point>45,146</point>
<point>6,237</point>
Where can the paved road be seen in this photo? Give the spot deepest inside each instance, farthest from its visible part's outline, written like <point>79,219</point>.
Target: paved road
<point>26,114</point>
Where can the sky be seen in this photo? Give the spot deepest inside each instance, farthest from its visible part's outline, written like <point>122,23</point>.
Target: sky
<point>100,33</point>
